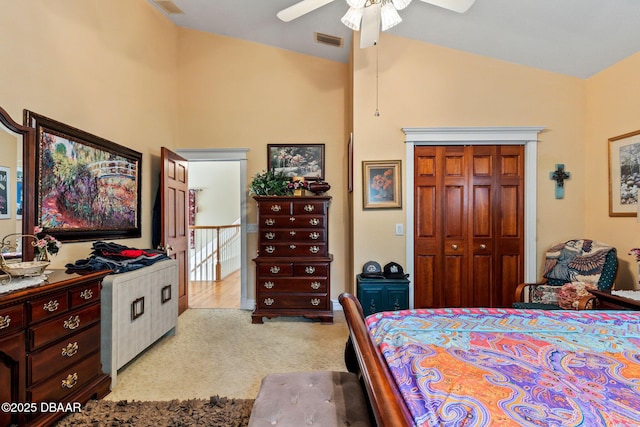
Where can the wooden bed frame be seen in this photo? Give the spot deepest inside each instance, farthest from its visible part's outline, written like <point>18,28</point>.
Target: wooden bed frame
<point>362,358</point>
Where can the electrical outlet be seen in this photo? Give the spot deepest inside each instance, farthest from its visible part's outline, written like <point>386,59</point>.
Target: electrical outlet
<point>252,228</point>
<point>399,229</point>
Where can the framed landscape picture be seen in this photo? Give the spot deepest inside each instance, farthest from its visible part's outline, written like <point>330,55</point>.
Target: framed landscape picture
<point>624,174</point>
<point>305,160</point>
<point>87,188</point>
<point>382,184</point>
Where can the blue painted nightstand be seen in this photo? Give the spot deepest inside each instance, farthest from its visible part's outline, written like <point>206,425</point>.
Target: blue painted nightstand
<point>377,295</point>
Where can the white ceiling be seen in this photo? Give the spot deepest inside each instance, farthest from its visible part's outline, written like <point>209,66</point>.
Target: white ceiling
<point>573,37</point>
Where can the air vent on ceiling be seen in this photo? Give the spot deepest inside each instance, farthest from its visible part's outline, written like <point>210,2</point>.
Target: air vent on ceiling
<point>329,39</point>
<point>168,6</point>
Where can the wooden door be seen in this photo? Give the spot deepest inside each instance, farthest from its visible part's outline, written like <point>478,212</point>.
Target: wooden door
<point>175,201</point>
<point>469,225</point>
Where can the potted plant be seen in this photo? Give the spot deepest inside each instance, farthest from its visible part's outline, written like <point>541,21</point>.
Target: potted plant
<point>270,183</point>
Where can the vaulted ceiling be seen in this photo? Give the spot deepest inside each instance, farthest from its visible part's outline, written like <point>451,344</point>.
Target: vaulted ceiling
<point>572,37</point>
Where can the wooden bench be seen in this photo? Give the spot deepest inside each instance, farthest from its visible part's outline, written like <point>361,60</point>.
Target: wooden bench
<point>322,398</point>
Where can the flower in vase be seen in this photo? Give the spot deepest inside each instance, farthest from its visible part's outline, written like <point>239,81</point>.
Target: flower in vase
<point>635,252</point>
<point>47,243</point>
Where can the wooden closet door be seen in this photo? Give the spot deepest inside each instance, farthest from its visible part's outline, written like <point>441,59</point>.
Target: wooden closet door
<point>468,225</point>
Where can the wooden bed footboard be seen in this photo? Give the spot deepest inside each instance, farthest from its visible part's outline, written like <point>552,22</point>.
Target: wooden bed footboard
<point>387,404</point>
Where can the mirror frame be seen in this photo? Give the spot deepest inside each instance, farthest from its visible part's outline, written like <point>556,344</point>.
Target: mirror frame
<point>28,179</point>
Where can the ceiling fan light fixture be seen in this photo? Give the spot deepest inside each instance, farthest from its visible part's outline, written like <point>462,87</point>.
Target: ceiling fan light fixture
<point>400,4</point>
<point>389,16</point>
<point>356,3</point>
<point>353,18</point>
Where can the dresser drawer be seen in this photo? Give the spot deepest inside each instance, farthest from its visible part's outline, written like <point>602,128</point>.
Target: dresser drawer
<point>62,354</point>
<point>289,235</point>
<point>67,381</point>
<point>293,249</point>
<point>275,269</point>
<point>276,207</point>
<point>309,207</point>
<point>320,269</point>
<point>11,319</point>
<point>292,285</point>
<point>301,301</point>
<point>49,306</point>
<point>61,326</point>
<point>85,294</point>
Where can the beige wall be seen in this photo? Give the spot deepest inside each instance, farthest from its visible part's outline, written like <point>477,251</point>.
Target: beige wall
<point>106,67</point>
<point>238,94</point>
<point>121,70</point>
<point>422,85</point>
<point>613,108</point>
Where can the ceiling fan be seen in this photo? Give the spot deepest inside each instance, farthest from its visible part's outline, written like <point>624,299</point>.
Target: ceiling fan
<point>369,16</point>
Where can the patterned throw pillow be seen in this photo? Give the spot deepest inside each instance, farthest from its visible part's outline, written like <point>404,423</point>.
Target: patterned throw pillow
<point>571,293</point>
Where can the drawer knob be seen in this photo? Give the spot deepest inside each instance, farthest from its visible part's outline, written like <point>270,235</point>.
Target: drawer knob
<point>315,301</point>
<point>270,249</point>
<point>483,246</point>
<point>292,219</point>
<point>276,208</point>
<point>270,236</point>
<point>292,233</point>
<point>51,306</point>
<point>308,208</point>
<point>309,269</point>
<point>269,285</point>
<point>315,285</point>
<point>86,295</point>
<point>292,247</point>
<point>5,321</point>
<point>70,381</point>
<point>314,221</point>
<point>314,249</point>
<point>269,221</point>
<point>269,301</point>
<point>70,350</point>
<point>72,323</point>
<point>314,236</point>
<point>275,269</point>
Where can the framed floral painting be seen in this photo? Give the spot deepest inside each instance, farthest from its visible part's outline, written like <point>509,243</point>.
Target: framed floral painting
<point>382,184</point>
<point>305,160</point>
<point>87,188</point>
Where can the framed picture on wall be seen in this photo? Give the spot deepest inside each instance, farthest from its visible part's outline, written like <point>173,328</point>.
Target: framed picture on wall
<point>381,184</point>
<point>5,192</point>
<point>624,174</point>
<point>87,188</point>
<point>305,160</point>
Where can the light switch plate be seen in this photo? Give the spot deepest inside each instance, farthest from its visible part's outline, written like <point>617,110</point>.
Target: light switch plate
<point>399,229</point>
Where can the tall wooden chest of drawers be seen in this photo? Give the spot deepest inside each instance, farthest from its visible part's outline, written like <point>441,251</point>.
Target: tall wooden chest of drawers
<point>50,347</point>
<point>293,263</point>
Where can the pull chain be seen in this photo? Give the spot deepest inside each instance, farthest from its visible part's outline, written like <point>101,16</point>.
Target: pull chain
<point>377,113</point>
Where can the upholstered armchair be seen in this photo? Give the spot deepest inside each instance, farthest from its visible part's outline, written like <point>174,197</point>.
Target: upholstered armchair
<point>571,269</point>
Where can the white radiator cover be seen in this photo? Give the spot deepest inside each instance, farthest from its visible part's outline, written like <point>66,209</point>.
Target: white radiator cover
<point>138,308</point>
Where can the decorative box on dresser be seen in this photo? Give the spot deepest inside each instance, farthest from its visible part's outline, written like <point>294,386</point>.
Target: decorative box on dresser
<point>50,347</point>
<point>293,263</point>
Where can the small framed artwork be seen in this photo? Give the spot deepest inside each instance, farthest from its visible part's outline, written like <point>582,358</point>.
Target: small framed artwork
<point>624,174</point>
<point>5,192</point>
<point>382,184</point>
<point>305,160</point>
<point>87,188</point>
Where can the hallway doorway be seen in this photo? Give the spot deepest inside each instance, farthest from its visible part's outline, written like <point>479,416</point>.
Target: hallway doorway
<point>217,232</point>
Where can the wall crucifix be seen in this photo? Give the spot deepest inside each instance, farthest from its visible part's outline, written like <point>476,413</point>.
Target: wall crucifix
<point>559,176</point>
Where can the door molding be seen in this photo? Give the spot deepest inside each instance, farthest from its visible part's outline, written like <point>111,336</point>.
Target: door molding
<point>527,136</point>
<point>239,155</point>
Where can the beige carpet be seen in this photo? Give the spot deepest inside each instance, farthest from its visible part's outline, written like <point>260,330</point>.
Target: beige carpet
<point>220,352</point>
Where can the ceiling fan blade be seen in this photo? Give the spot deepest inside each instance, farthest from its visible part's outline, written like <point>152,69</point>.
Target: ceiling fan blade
<point>370,27</point>
<point>301,8</point>
<point>460,6</point>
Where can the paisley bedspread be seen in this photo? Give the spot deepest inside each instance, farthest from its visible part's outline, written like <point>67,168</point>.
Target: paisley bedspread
<point>506,367</point>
